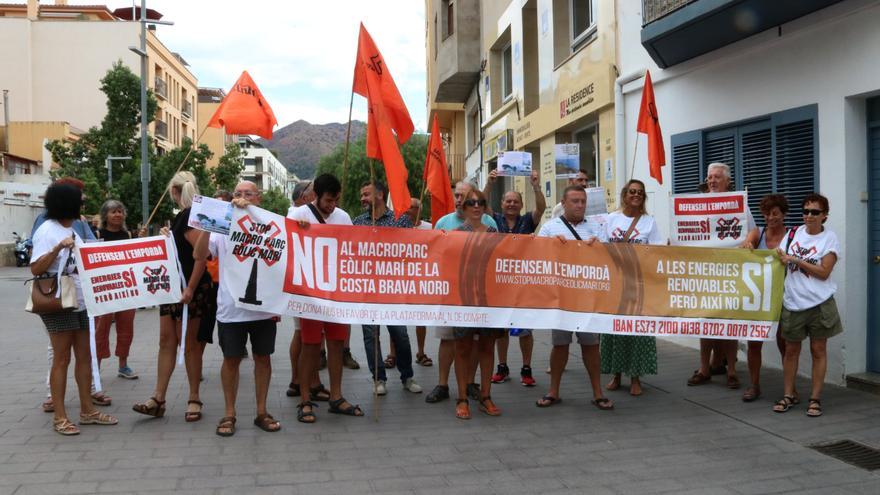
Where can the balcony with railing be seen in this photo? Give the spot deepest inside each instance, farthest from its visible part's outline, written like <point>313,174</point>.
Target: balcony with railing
<point>161,88</point>
<point>674,31</point>
<point>186,111</point>
<point>161,130</point>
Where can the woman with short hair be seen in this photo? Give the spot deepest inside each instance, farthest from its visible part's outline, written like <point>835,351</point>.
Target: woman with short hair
<point>53,253</point>
<point>182,188</point>
<point>808,306</point>
<point>635,356</point>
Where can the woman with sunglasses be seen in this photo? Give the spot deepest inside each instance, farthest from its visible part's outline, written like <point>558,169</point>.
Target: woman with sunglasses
<point>474,207</point>
<point>634,355</point>
<point>808,306</point>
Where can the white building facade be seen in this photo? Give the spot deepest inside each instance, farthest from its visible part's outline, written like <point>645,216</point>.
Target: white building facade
<point>791,104</point>
<point>262,167</point>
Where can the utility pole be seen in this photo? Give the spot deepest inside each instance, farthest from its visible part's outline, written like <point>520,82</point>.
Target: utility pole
<point>109,162</point>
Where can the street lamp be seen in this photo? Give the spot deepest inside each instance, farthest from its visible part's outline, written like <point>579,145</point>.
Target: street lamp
<point>145,159</point>
<point>109,163</point>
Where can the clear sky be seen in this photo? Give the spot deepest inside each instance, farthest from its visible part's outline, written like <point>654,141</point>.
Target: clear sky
<point>300,52</point>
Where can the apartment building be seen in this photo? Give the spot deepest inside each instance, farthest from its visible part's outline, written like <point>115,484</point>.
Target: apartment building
<point>209,100</point>
<point>262,167</point>
<point>788,94</point>
<point>524,75</point>
<point>54,56</point>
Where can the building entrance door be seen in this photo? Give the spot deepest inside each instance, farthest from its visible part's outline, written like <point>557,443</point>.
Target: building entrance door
<point>873,354</point>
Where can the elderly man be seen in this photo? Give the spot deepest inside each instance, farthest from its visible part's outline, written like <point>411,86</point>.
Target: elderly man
<point>235,326</point>
<point>511,220</point>
<point>446,352</point>
<point>323,209</point>
<point>718,181</point>
<point>573,226</point>
<point>374,198</point>
<point>581,181</point>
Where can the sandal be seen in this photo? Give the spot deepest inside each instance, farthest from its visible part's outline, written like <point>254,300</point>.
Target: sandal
<point>547,401</point>
<point>193,416</point>
<point>390,361</point>
<point>97,418</point>
<point>226,426</point>
<point>814,409</point>
<point>306,416</point>
<point>784,404</point>
<point>336,408</point>
<point>267,423</point>
<point>319,393</point>
<point>424,360</point>
<point>614,384</point>
<point>101,399</point>
<point>603,403</point>
<point>732,382</point>
<point>65,427</point>
<point>698,379</point>
<point>293,390</point>
<point>48,406</point>
<point>635,386</point>
<point>157,410</point>
<point>751,393</point>
<point>462,409</point>
<point>488,407</point>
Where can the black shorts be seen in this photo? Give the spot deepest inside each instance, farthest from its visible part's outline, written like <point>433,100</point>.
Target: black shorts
<point>234,336</point>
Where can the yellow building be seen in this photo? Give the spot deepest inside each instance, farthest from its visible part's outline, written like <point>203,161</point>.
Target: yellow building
<point>524,75</point>
<point>53,57</point>
<point>216,138</point>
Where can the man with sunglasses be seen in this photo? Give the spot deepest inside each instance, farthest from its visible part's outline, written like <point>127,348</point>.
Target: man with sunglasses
<point>511,221</point>
<point>446,353</point>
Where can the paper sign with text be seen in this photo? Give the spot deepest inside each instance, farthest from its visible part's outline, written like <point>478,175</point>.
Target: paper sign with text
<point>710,220</point>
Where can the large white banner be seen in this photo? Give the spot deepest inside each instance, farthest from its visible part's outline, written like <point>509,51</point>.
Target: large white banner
<point>709,220</point>
<point>130,274</point>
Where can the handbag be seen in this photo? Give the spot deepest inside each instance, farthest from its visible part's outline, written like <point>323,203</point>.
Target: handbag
<point>52,293</point>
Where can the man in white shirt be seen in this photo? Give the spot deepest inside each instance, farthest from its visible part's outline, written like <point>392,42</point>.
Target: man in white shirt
<point>235,326</point>
<point>580,180</point>
<point>323,209</point>
<point>572,225</point>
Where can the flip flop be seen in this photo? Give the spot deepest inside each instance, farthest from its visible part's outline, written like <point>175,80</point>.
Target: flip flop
<point>227,423</point>
<point>548,401</point>
<point>603,403</point>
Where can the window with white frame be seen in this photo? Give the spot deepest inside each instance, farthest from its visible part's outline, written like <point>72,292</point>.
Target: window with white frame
<point>583,21</point>
<point>506,73</point>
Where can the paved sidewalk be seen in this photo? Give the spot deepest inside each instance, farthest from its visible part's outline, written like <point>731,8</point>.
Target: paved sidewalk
<point>673,439</point>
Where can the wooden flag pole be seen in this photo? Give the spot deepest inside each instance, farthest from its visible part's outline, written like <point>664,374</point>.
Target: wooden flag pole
<point>635,149</point>
<point>347,140</point>
<point>179,168</point>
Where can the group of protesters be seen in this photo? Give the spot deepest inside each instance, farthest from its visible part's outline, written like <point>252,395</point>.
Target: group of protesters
<point>809,252</point>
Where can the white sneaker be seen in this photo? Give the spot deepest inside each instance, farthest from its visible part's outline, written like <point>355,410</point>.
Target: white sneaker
<point>379,387</point>
<point>412,386</point>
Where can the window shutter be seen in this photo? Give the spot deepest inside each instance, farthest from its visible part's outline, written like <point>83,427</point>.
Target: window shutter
<point>686,173</point>
<point>721,147</point>
<point>757,166</point>
<point>795,165</point>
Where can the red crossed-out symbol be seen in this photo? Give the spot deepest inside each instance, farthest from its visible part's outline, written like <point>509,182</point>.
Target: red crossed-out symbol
<point>274,231</point>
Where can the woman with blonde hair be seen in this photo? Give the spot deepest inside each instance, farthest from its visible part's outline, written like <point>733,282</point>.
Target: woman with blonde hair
<point>182,189</point>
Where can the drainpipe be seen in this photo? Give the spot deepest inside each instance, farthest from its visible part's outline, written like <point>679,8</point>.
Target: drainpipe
<point>620,124</point>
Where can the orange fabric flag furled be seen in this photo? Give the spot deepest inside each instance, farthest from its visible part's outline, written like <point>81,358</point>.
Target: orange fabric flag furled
<point>649,123</point>
<point>436,176</point>
<point>387,113</point>
<point>244,110</point>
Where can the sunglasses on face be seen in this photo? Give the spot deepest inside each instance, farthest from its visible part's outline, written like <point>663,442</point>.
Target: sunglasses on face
<point>475,202</point>
<point>808,212</point>
<point>636,192</point>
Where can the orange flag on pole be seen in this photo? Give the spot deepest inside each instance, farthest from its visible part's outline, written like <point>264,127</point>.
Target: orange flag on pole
<point>436,176</point>
<point>649,123</point>
<point>387,113</point>
<point>244,110</point>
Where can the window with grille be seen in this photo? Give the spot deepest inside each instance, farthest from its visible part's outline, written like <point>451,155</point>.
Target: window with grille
<point>776,153</point>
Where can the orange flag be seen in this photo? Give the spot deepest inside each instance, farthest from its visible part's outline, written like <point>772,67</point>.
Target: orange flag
<point>436,176</point>
<point>387,113</point>
<point>649,123</point>
<point>244,110</point>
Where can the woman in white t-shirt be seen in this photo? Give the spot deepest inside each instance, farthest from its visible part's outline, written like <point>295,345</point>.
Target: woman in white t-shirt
<point>634,355</point>
<point>808,307</point>
<point>69,330</point>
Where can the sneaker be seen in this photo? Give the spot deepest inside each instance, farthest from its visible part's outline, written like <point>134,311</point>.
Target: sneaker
<point>127,373</point>
<point>323,364</point>
<point>440,392</point>
<point>380,388</point>
<point>412,386</point>
<point>502,375</point>
<point>525,376</point>
<point>348,361</point>
<point>473,391</point>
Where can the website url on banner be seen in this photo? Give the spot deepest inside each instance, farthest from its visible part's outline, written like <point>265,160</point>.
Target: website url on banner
<point>551,280</point>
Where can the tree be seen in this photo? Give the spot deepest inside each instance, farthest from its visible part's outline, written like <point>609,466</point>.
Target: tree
<point>275,201</point>
<point>231,164</point>
<point>358,172</point>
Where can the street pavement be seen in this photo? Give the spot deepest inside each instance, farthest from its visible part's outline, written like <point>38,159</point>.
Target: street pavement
<point>673,439</point>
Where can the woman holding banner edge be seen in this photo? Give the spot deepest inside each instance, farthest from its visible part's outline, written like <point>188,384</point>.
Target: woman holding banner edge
<point>183,188</point>
<point>634,355</point>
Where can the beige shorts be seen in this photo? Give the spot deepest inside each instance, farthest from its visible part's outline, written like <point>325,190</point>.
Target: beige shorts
<point>565,337</point>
